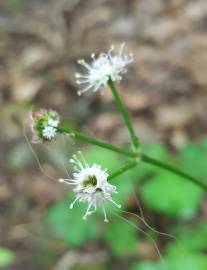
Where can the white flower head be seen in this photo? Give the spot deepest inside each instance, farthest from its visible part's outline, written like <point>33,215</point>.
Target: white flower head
<point>49,132</point>
<point>119,62</point>
<point>103,67</point>
<point>90,186</point>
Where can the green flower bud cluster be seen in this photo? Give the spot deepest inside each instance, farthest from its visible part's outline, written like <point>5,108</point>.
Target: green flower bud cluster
<point>44,125</point>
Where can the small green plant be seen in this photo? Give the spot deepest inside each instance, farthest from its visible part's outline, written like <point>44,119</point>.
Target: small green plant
<point>165,189</point>
<point>91,182</point>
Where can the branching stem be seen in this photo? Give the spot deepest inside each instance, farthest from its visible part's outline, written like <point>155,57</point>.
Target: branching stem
<point>130,154</point>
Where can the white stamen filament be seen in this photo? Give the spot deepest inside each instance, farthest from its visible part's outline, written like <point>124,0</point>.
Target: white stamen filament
<point>105,217</point>
<point>87,211</point>
<point>72,204</point>
<point>118,205</point>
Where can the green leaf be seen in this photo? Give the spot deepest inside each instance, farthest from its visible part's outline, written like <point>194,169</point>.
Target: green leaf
<point>145,266</point>
<point>158,151</point>
<point>188,261</point>
<point>172,195</point>
<point>121,237</point>
<point>191,239</point>
<point>6,257</point>
<point>69,225</point>
<point>193,159</point>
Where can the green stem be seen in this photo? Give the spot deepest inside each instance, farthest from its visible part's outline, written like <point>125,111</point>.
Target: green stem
<point>123,169</point>
<point>91,140</point>
<point>172,169</point>
<point>128,153</point>
<point>125,114</point>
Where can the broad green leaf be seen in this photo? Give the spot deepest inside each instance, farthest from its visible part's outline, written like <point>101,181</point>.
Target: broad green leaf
<point>193,159</point>
<point>158,151</point>
<point>121,237</point>
<point>188,261</point>
<point>191,238</point>
<point>172,195</point>
<point>69,225</point>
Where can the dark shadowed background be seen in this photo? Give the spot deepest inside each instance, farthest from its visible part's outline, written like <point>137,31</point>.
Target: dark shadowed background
<point>165,91</point>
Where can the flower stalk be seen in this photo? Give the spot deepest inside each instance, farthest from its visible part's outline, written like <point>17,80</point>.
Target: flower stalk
<point>128,166</point>
<point>125,115</point>
<point>168,167</point>
<point>130,154</point>
<point>86,138</point>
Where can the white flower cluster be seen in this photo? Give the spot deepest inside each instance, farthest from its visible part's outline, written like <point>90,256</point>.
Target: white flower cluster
<point>90,186</point>
<point>49,131</point>
<point>44,125</point>
<point>106,66</point>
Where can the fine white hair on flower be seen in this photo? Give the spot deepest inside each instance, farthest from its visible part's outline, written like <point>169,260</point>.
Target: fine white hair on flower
<point>49,132</point>
<point>90,185</point>
<point>106,66</point>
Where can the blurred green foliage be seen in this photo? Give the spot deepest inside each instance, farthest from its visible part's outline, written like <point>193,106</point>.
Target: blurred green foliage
<point>161,191</point>
<point>6,257</point>
<point>68,224</point>
<point>187,252</point>
<point>188,261</point>
<point>171,195</point>
<point>121,237</point>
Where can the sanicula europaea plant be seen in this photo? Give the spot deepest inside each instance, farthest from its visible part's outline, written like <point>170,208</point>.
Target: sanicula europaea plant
<point>91,182</point>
